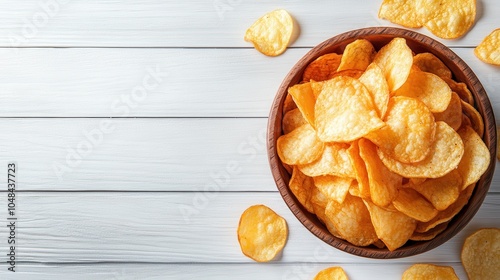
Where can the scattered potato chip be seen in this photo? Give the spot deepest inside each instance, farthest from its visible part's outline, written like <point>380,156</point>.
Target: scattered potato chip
<point>423,271</point>
<point>428,88</point>
<point>430,234</point>
<point>481,254</point>
<point>441,192</point>
<point>428,62</point>
<point>392,227</point>
<point>402,12</point>
<point>323,68</point>
<point>409,132</point>
<point>395,59</point>
<point>357,55</point>
<point>475,118</point>
<point>344,111</point>
<point>335,160</point>
<point>453,114</point>
<point>333,187</point>
<point>373,79</point>
<point>444,156</point>
<point>302,188</point>
<point>331,273</point>
<point>476,158</point>
<point>272,33</point>
<point>352,220</point>
<point>414,205</point>
<point>489,49</point>
<point>453,18</point>
<point>301,146</point>
<point>262,233</point>
<point>384,184</point>
<point>292,119</point>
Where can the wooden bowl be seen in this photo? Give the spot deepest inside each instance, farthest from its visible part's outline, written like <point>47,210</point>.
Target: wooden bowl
<point>380,36</point>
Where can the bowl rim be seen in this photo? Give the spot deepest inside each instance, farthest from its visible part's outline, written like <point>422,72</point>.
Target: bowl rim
<point>418,43</point>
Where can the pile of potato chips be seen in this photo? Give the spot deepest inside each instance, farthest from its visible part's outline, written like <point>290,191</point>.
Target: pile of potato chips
<point>447,19</point>
<point>383,146</point>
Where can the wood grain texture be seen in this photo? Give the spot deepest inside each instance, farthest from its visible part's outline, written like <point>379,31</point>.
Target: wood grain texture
<point>177,228</point>
<point>198,82</point>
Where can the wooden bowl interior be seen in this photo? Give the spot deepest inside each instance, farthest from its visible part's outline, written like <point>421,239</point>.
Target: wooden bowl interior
<point>380,36</point>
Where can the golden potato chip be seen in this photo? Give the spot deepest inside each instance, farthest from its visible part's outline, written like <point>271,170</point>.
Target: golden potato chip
<point>441,192</point>
<point>344,111</point>
<point>409,131</point>
<point>319,202</point>
<point>476,158</point>
<point>335,160</point>
<point>402,12</point>
<point>362,188</point>
<point>272,33</point>
<point>428,88</point>
<point>331,273</point>
<point>373,79</point>
<point>422,271</point>
<point>453,114</point>
<point>302,187</point>
<point>262,233</point>
<point>489,49</point>
<point>447,214</point>
<point>353,73</point>
<point>481,254</point>
<point>392,227</point>
<point>357,55</point>
<point>352,220</point>
<point>292,119</point>
<point>428,62</point>
<point>453,18</point>
<point>445,155</point>
<point>417,181</point>
<point>301,146</point>
<point>333,187</point>
<point>475,118</point>
<point>395,59</point>
<point>414,205</point>
<point>322,68</point>
<point>384,184</point>
<point>303,96</point>
<point>288,104</point>
<point>430,234</point>
<point>460,89</point>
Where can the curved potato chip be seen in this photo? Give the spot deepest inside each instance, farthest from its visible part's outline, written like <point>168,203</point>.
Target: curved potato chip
<point>344,111</point>
<point>402,12</point>
<point>392,227</point>
<point>460,89</point>
<point>353,73</point>
<point>319,202</point>
<point>430,234</point>
<point>322,68</point>
<point>453,18</point>
<point>357,55</point>
<point>428,62</point>
<point>373,79</point>
<point>422,271</point>
<point>476,157</point>
<point>384,184</point>
<point>489,49</point>
<point>352,220</point>
<point>475,118</point>
<point>453,114</point>
<point>362,188</point>
<point>272,33</point>
<point>335,160</point>
<point>445,155</point>
<point>409,132</point>
<point>262,233</point>
<point>441,192</point>
<point>333,187</point>
<point>414,205</point>
<point>288,104</point>
<point>481,254</point>
<point>331,273</point>
<point>395,59</point>
<point>428,88</point>
<point>292,119</point>
<point>303,96</point>
<point>302,187</point>
<point>301,146</point>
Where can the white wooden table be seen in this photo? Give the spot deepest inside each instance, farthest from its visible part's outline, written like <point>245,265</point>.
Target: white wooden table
<point>137,129</point>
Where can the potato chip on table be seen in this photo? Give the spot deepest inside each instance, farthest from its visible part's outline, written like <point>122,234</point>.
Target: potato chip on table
<point>481,254</point>
<point>489,49</point>
<point>331,273</point>
<point>423,271</point>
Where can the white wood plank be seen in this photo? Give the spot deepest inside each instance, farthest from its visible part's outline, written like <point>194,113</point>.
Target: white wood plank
<point>249,271</point>
<point>140,154</point>
<point>218,23</point>
<point>177,228</point>
<point>196,83</point>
